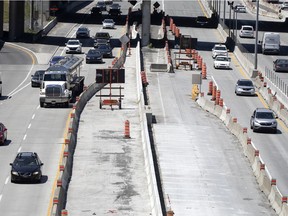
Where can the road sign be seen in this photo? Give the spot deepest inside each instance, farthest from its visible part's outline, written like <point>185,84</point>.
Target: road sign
<point>110,75</point>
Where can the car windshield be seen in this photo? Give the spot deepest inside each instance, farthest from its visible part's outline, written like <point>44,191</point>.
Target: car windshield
<point>248,28</point>
<point>264,115</point>
<point>57,58</point>
<point>103,47</point>
<point>73,42</point>
<point>108,21</point>
<point>245,83</point>
<point>220,48</point>
<point>282,61</point>
<point>82,29</point>
<point>25,161</point>
<point>93,52</point>
<point>221,58</point>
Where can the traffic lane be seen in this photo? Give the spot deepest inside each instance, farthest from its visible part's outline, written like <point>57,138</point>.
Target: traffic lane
<point>10,53</point>
<point>272,147</point>
<point>184,8</point>
<point>199,145</point>
<point>31,129</point>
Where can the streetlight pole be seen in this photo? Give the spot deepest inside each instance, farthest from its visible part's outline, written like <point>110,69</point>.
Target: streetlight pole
<point>224,12</point>
<point>236,28</point>
<point>256,40</point>
<point>231,5</point>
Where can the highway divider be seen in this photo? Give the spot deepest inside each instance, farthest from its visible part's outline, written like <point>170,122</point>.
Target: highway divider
<point>66,164</point>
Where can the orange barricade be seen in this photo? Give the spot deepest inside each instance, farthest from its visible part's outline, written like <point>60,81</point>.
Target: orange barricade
<point>218,94</point>
<point>221,102</point>
<point>127,129</point>
<point>171,24</point>
<point>199,62</point>
<point>144,78</point>
<point>210,88</point>
<point>204,71</point>
<point>214,93</point>
<point>173,28</point>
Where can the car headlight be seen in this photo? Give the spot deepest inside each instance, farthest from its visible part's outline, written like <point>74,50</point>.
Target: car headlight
<point>36,173</point>
<point>15,173</point>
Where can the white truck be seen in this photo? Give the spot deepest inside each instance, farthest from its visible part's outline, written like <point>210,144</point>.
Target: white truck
<point>62,82</point>
<point>270,43</point>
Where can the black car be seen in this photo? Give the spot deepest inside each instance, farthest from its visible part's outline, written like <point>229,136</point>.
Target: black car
<point>56,59</point>
<point>27,167</point>
<point>37,78</point>
<point>96,11</point>
<point>105,49</point>
<point>101,5</point>
<point>83,32</point>
<point>94,56</point>
<point>280,65</point>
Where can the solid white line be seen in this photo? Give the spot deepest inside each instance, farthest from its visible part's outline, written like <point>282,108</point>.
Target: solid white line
<point>16,91</point>
<point>7,179</point>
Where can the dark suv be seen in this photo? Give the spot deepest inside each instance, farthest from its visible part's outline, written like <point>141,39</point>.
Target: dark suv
<point>101,38</point>
<point>26,167</point>
<point>263,119</point>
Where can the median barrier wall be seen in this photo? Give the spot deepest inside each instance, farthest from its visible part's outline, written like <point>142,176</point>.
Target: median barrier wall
<point>149,164</point>
<point>275,199</point>
<point>265,182</point>
<point>250,153</point>
<point>284,210</point>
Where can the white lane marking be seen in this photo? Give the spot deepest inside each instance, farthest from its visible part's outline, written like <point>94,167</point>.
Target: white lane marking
<point>33,116</point>
<point>19,149</point>
<point>7,179</point>
<point>15,91</point>
<point>24,136</point>
<point>29,125</point>
<point>0,197</point>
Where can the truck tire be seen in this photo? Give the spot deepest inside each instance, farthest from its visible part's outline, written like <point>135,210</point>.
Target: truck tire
<point>41,104</point>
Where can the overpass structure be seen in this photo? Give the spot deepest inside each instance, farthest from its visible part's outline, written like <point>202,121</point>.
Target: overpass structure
<point>39,12</point>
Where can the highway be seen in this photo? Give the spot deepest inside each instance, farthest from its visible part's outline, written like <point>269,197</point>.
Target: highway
<point>31,128</point>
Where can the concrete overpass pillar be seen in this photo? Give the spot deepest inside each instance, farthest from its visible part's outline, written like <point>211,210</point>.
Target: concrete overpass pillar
<point>16,19</point>
<point>1,18</point>
<point>146,20</point>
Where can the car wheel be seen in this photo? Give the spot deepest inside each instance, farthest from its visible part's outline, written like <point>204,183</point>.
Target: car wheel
<point>41,104</point>
<point>254,129</point>
<point>275,131</point>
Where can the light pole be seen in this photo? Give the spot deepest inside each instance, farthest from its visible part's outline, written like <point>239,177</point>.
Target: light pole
<point>236,27</point>
<point>256,40</point>
<point>231,5</point>
<point>224,11</point>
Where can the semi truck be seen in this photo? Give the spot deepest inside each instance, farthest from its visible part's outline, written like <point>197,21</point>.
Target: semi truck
<point>62,82</point>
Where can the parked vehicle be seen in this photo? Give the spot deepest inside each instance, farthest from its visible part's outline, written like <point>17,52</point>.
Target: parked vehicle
<point>246,31</point>
<point>222,62</point>
<point>27,166</point>
<point>37,78</point>
<point>94,56</point>
<point>3,133</point>
<point>270,43</point>
<point>280,65</point>
<point>83,32</point>
<point>73,46</point>
<point>244,87</point>
<point>263,119</point>
<point>62,83</point>
<point>219,49</point>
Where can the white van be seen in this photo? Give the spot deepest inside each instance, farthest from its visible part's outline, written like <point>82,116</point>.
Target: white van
<point>271,43</point>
